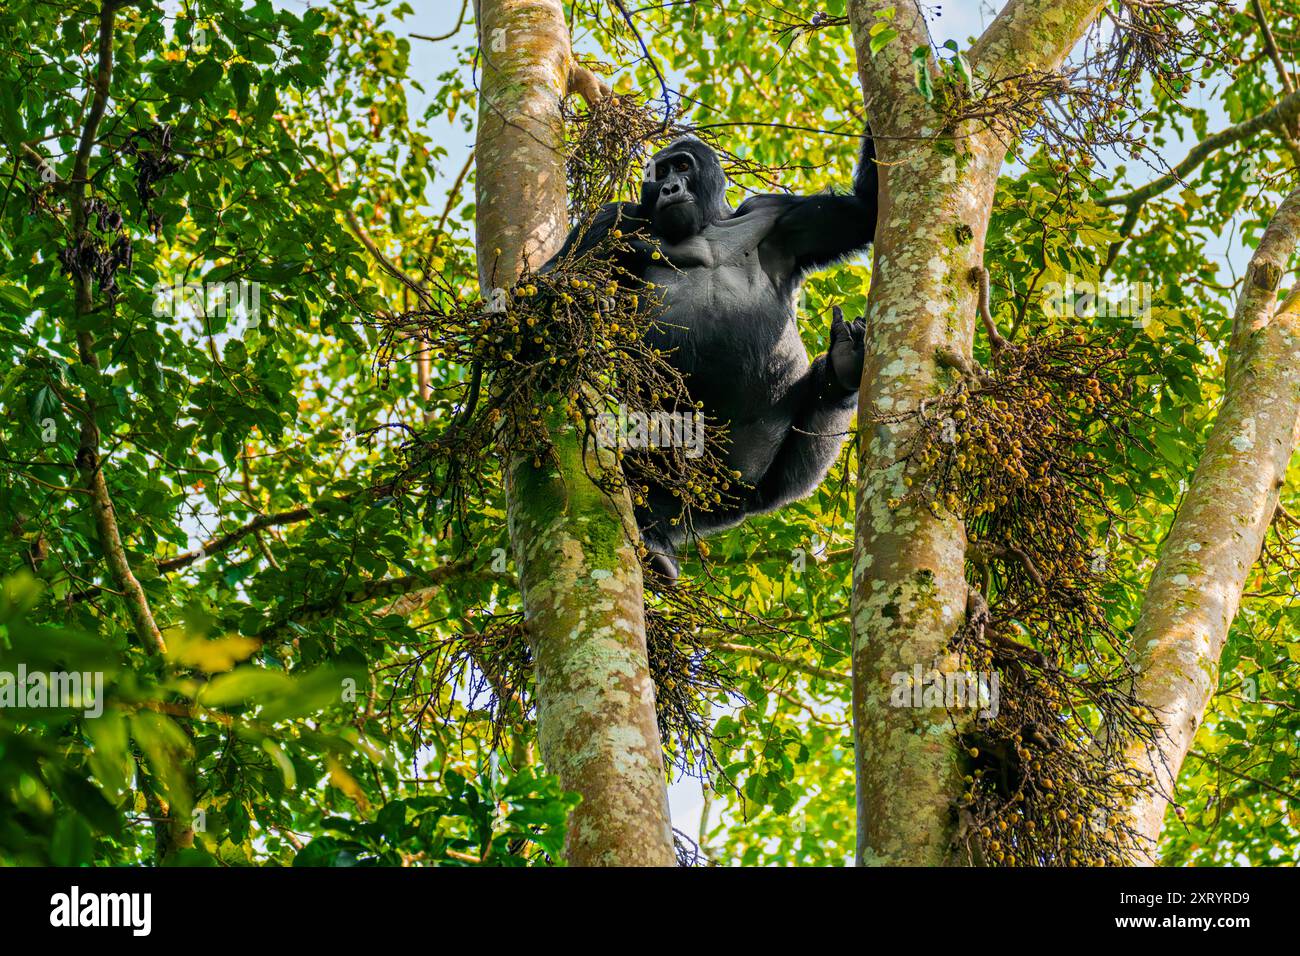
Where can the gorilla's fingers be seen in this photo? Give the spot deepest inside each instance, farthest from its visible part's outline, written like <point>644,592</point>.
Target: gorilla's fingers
<point>838,331</point>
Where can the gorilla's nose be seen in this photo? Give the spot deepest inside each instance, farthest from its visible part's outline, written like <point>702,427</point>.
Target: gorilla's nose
<point>673,193</point>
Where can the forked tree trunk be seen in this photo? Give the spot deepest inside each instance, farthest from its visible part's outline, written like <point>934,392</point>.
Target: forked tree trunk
<point>578,570</point>
<point>1220,526</point>
<point>909,589</point>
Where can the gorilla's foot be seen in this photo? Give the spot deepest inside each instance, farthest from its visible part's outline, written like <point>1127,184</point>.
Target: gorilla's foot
<point>664,568</point>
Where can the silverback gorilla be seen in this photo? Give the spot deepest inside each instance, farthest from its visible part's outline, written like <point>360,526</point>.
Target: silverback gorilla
<point>729,282</point>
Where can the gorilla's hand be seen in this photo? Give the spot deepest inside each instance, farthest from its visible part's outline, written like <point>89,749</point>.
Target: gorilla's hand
<point>847,350</point>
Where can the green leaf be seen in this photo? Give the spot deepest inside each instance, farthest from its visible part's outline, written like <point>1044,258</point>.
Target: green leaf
<point>204,77</point>
<point>881,37</point>
<point>327,851</point>
<point>17,298</point>
<point>245,685</point>
<point>921,72</point>
<point>110,755</point>
<point>313,692</point>
<point>85,798</point>
<point>72,844</point>
<point>283,762</point>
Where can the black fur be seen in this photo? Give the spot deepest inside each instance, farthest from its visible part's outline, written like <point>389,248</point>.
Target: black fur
<point>729,282</point>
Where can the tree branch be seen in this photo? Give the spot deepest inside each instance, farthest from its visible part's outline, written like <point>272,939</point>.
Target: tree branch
<point>221,542</point>
<point>1270,45</point>
<point>354,224</point>
<point>89,463</point>
<point>358,230</point>
<point>980,276</point>
<point>1041,30</point>
<point>1219,529</point>
<point>460,22</point>
<point>1279,118</point>
<point>773,658</point>
<point>374,590</point>
<point>1264,784</point>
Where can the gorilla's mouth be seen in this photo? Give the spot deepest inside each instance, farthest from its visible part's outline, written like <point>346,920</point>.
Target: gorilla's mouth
<point>674,201</point>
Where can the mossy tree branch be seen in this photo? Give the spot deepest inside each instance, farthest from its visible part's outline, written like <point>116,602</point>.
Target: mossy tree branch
<point>1217,534</point>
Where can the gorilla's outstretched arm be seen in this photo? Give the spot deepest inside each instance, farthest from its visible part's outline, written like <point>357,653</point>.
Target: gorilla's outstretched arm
<point>814,232</point>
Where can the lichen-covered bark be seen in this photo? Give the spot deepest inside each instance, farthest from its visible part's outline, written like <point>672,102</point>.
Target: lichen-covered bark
<point>1040,32</point>
<point>1216,536</point>
<point>520,214</point>
<point>909,590</point>
<point>581,583</point>
<point>578,569</point>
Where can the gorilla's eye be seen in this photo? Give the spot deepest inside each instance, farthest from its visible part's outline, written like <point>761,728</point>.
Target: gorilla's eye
<point>682,166</point>
<point>660,171</point>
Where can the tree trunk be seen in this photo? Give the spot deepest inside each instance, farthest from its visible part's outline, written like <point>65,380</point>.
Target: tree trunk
<point>1220,526</point>
<point>909,589</point>
<point>579,573</point>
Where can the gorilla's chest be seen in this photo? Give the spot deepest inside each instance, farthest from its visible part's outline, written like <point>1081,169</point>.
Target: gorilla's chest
<point>712,293</point>
<point>723,301</point>
<point>728,319</point>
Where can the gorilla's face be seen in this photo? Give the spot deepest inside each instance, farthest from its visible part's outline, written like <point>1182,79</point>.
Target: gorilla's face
<point>677,213</point>
<point>683,189</point>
